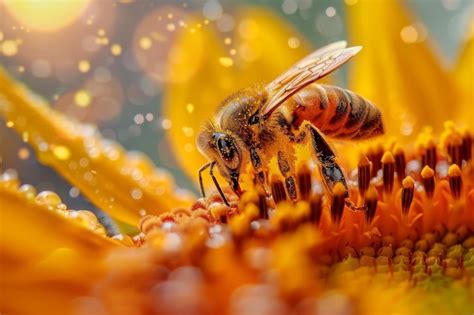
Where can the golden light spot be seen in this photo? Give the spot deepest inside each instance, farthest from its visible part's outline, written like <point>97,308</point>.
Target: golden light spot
<point>249,29</point>
<point>190,108</point>
<point>409,34</point>
<point>145,43</point>
<point>188,131</point>
<point>170,27</point>
<point>10,124</point>
<point>23,154</point>
<point>233,51</point>
<point>101,32</point>
<point>116,49</point>
<point>61,152</point>
<point>351,2</point>
<point>166,124</point>
<point>21,69</point>
<point>46,15</point>
<point>226,61</point>
<point>227,41</point>
<point>189,147</point>
<point>293,42</point>
<point>83,66</point>
<point>82,98</point>
<point>9,48</point>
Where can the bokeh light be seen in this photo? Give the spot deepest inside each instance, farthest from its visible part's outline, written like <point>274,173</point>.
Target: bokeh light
<point>46,15</point>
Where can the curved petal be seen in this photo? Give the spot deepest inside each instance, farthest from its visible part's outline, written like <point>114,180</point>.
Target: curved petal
<point>397,69</point>
<point>258,51</point>
<point>124,185</point>
<point>464,76</point>
<point>46,260</point>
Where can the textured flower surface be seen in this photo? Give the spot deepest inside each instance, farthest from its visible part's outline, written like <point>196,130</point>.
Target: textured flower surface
<point>411,251</point>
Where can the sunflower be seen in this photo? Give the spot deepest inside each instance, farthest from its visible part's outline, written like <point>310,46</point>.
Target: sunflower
<point>410,252</point>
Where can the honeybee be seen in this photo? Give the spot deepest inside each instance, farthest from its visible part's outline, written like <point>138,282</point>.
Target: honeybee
<point>259,123</point>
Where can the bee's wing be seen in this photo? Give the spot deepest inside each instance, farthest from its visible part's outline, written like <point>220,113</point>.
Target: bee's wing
<point>311,68</point>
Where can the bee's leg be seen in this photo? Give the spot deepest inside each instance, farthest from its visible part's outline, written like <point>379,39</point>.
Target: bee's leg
<point>331,172</point>
<point>287,172</point>
<point>260,176</point>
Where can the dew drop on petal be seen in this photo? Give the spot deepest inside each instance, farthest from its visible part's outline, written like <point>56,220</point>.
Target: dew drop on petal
<point>48,198</point>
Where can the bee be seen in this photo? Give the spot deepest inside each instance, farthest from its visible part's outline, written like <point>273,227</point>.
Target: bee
<point>259,123</point>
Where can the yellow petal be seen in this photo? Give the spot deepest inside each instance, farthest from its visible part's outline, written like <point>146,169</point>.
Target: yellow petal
<point>124,185</point>
<point>256,53</point>
<point>397,69</point>
<point>45,259</point>
<point>464,76</point>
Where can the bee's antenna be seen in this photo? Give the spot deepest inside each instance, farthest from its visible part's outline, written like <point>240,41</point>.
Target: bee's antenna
<point>211,172</point>
<point>203,193</point>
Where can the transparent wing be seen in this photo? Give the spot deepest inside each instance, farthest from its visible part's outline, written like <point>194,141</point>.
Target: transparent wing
<point>311,68</point>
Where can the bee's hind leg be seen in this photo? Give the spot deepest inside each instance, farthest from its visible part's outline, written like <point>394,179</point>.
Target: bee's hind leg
<point>331,172</point>
<point>286,170</point>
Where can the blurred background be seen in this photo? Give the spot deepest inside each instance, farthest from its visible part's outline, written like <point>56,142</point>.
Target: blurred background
<point>107,62</point>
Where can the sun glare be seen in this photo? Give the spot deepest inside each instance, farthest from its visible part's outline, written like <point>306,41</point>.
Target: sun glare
<point>46,15</point>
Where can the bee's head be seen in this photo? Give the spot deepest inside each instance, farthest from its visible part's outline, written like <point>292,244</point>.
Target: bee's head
<point>222,148</point>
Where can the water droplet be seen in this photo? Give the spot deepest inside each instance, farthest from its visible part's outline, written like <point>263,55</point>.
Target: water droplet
<point>48,198</point>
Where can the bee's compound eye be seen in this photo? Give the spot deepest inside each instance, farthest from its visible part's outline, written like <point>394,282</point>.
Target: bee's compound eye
<point>227,150</point>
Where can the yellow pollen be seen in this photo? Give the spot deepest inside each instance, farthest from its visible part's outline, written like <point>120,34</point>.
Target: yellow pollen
<point>339,189</point>
<point>372,193</point>
<point>387,158</point>
<point>454,170</point>
<point>427,172</point>
<point>397,150</point>
<point>408,182</point>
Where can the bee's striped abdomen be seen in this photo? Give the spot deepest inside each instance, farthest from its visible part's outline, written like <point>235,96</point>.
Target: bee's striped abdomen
<point>336,112</point>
